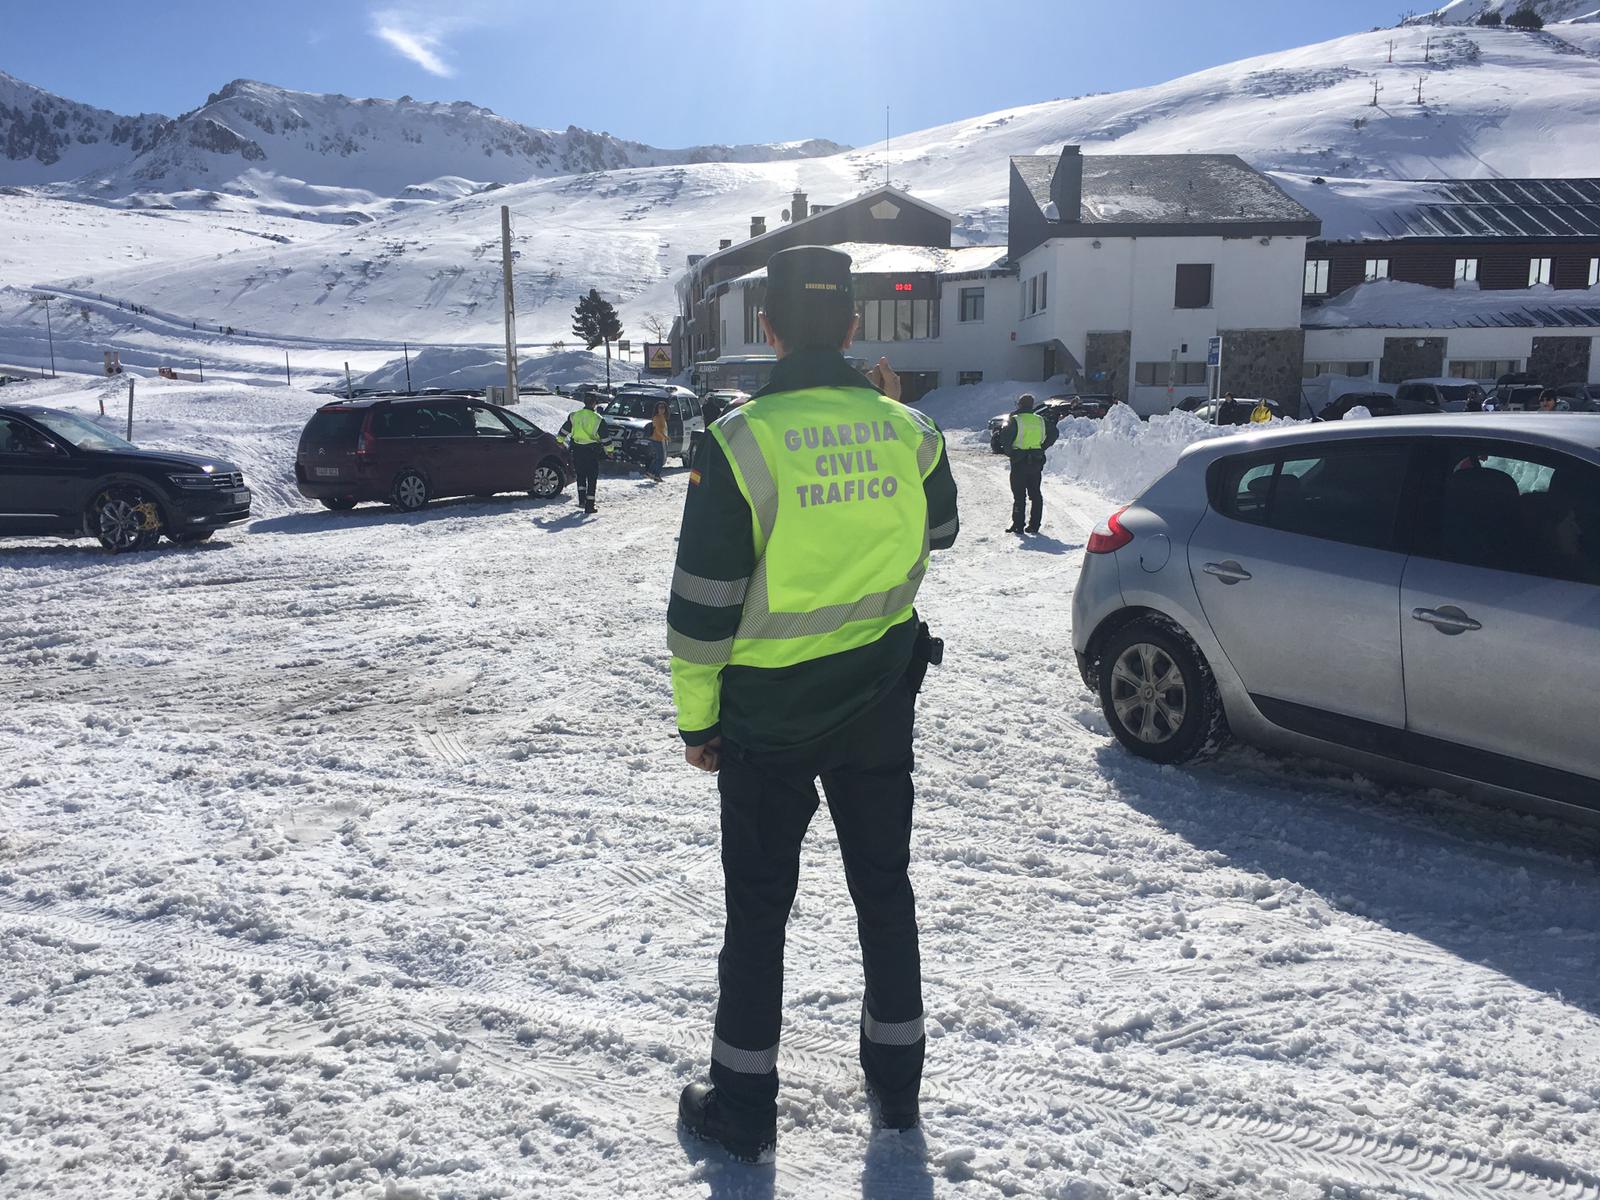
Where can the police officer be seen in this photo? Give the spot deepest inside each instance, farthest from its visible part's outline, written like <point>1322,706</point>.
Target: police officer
<point>796,653</point>
<point>1025,438</point>
<point>582,431</point>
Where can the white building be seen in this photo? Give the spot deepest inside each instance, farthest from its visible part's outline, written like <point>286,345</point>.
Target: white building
<point>1128,264</point>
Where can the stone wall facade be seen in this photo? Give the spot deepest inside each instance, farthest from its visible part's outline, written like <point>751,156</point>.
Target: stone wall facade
<point>1108,359</point>
<point>1411,358</point>
<point>1264,364</point>
<point>1559,360</point>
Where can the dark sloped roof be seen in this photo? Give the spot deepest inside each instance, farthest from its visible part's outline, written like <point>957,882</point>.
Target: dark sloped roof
<point>1501,208</point>
<point>1169,190</point>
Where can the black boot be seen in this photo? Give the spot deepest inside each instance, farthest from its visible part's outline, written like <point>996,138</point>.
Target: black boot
<point>703,1114</point>
<point>899,1115</point>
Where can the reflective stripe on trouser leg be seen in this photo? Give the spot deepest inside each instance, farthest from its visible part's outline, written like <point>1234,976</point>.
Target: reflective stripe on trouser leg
<point>891,1033</point>
<point>746,1062</point>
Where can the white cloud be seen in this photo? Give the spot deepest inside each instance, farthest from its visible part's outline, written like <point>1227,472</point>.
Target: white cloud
<point>420,46</point>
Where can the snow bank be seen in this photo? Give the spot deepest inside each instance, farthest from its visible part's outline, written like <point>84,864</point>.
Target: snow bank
<point>970,406</point>
<point>472,368</point>
<point>1121,455</point>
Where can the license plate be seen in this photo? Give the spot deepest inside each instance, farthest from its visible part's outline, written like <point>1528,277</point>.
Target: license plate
<point>241,497</point>
<point>327,472</point>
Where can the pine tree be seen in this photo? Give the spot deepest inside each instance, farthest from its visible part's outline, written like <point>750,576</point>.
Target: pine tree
<point>1490,17</point>
<point>1526,19</point>
<point>595,321</point>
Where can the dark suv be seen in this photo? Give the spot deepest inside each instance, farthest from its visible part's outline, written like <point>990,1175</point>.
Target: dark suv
<point>64,476</point>
<point>631,410</point>
<point>408,451</point>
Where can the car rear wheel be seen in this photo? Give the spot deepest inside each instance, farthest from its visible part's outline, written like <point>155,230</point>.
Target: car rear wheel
<point>1159,695</point>
<point>548,480</point>
<point>410,491</point>
<point>338,503</point>
<point>125,517</point>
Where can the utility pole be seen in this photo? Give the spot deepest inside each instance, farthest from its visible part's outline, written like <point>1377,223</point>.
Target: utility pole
<point>510,304</point>
<point>201,367</point>
<point>130,408</point>
<point>1419,89</point>
<point>286,377</point>
<point>407,346</point>
<point>1376,88</point>
<point>1427,49</point>
<point>50,332</point>
<point>1391,49</point>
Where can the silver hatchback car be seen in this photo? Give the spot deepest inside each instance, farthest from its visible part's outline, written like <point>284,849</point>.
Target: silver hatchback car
<point>1417,596</point>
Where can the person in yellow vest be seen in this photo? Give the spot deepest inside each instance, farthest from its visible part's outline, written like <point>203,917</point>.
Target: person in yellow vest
<point>582,433</point>
<point>797,654</point>
<point>1024,439</point>
<point>1261,413</point>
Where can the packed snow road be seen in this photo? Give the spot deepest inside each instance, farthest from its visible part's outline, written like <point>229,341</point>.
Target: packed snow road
<point>355,855</point>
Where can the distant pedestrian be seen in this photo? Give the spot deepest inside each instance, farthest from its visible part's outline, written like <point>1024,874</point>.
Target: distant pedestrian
<point>1024,439</point>
<point>658,440</point>
<point>582,432</point>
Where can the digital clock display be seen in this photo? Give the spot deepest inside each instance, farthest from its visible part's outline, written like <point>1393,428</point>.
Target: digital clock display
<point>905,287</point>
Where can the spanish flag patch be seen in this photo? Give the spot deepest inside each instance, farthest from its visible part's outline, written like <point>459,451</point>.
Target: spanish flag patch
<point>694,476</point>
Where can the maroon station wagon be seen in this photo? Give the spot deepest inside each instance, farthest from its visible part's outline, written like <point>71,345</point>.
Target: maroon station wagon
<point>406,452</point>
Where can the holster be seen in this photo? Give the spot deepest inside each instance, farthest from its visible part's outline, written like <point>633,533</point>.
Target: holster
<point>926,651</point>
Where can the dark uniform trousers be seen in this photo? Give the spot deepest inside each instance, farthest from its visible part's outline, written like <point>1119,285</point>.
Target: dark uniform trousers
<point>767,803</point>
<point>1027,470</point>
<point>586,466</point>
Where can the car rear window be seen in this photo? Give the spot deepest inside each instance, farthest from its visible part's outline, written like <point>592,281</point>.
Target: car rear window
<point>1340,493</point>
<point>334,426</point>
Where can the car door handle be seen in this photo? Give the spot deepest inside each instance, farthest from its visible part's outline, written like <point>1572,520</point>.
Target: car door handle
<point>1447,618</point>
<point>1229,572</point>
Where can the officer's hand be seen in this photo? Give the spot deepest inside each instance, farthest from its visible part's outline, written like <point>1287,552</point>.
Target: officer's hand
<point>706,757</point>
<point>885,379</point>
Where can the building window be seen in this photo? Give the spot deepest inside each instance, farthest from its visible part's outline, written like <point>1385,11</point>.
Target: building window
<point>1538,271</point>
<point>899,320</point>
<point>753,333</point>
<point>1160,374</point>
<point>1594,272</point>
<point>1036,293</point>
<point>1376,269</point>
<point>1352,370</point>
<point>964,378</point>
<point>1484,368</point>
<point>972,304</point>
<point>1317,276</point>
<point>1194,286</point>
<point>1466,270</point>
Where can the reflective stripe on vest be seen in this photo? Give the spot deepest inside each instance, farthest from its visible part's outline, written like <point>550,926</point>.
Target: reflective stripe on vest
<point>833,477</point>
<point>1030,431</point>
<point>585,426</point>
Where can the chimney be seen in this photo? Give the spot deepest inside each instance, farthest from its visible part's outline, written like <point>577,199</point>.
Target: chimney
<point>724,243</point>
<point>758,226</point>
<point>798,207</point>
<point>1066,185</point>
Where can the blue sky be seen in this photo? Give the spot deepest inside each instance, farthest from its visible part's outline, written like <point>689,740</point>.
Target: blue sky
<point>671,73</point>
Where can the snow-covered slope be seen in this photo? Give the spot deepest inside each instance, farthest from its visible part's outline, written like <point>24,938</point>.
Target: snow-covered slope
<point>257,141</point>
<point>1495,102</point>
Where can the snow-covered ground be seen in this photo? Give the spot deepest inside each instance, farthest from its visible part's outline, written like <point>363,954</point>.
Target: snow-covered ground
<point>355,855</point>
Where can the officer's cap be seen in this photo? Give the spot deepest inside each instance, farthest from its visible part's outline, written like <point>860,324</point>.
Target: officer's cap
<point>808,273</point>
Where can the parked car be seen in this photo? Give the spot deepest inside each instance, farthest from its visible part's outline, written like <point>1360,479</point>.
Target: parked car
<point>1093,407</point>
<point>630,413</point>
<point>1417,597</point>
<point>1582,397</point>
<point>1440,395</point>
<point>1190,403</point>
<point>62,475</point>
<point>1233,412</point>
<point>1516,397</point>
<point>1379,404</point>
<point>407,452</point>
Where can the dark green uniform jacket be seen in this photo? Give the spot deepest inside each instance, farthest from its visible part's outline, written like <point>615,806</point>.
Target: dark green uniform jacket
<point>719,593</point>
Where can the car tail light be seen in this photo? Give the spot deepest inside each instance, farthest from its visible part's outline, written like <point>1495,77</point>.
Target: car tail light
<point>1110,535</point>
<point>364,441</point>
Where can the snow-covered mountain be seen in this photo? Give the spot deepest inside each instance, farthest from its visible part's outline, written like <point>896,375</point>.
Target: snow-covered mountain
<point>1467,12</point>
<point>287,148</point>
<point>44,137</point>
